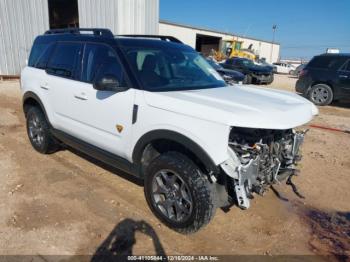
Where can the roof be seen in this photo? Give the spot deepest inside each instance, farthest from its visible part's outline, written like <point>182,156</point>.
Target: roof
<point>215,31</point>
<point>124,41</point>
<point>336,54</point>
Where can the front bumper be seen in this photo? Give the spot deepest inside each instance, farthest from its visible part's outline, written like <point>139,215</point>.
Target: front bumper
<point>262,78</point>
<point>245,176</point>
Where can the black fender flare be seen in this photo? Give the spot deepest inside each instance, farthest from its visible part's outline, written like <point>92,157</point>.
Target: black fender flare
<point>30,95</point>
<point>178,138</point>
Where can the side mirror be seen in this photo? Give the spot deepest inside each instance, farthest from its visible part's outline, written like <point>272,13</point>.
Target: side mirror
<point>108,83</point>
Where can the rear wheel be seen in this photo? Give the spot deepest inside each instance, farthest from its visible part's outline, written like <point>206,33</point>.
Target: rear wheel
<point>178,193</point>
<point>321,94</point>
<point>39,132</point>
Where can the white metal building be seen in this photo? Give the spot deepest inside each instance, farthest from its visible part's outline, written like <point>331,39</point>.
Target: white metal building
<point>22,20</point>
<point>204,40</point>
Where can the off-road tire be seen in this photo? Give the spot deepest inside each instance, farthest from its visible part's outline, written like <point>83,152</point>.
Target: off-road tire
<point>322,102</point>
<point>247,80</point>
<point>49,144</point>
<point>272,78</point>
<point>200,189</point>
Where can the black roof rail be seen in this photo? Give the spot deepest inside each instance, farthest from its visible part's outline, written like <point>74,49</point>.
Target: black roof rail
<point>95,31</point>
<point>161,37</point>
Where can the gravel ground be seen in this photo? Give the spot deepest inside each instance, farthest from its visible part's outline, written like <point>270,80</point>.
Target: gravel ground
<point>68,204</point>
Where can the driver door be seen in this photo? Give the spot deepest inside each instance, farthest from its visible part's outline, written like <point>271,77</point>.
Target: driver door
<point>102,118</point>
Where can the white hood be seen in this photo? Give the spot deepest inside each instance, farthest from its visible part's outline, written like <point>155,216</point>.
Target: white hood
<point>241,106</point>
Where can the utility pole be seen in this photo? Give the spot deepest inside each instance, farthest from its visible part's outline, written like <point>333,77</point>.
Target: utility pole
<point>274,28</point>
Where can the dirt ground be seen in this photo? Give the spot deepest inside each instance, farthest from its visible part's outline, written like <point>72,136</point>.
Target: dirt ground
<point>67,204</point>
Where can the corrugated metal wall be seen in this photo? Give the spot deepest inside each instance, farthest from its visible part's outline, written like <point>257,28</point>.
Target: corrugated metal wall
<point>121,16</point>
<point>20,22</point>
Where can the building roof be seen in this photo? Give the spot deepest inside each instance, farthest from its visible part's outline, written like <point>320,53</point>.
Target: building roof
<point>214,31</point>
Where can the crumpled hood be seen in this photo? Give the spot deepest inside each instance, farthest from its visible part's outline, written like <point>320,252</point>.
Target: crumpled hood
<point>241,106</point>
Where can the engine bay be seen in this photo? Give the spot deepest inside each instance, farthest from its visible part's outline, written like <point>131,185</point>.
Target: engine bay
<point>262,157</point>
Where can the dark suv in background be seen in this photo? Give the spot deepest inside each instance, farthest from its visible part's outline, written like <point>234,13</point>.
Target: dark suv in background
<point>254,74</point>
<point>325,78</point>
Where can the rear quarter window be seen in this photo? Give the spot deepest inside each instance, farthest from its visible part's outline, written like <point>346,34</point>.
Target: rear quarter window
<point>35,54</point>
<point>327,62</point>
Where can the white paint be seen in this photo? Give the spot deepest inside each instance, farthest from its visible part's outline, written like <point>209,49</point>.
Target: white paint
<point>204,116</point>
<point>283,68</point>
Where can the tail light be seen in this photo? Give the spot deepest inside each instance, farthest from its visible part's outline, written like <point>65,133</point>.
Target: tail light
<point>302,72</point>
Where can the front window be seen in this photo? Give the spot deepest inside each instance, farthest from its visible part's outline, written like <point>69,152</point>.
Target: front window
<point>165,68</point>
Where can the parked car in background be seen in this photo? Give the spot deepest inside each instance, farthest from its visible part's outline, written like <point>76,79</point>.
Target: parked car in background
<point>230,76</point>
<point>297,71</point>
<point>262,62</point>
<point>325,78</point>
<point>284,68</point>
<point>254,74</point>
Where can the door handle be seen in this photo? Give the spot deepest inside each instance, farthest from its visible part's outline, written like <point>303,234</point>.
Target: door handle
<point>81,96</point>
<point>45,86</point>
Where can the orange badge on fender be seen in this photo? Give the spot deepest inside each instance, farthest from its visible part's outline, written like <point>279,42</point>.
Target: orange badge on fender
<point>119,128</point>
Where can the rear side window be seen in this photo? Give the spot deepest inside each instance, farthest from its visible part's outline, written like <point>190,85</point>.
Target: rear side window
<point>327,62</point>
<point>37,51</point>
<point>64,60</point>
<point>347,66</point>
<point>100,59</point>
<point>44,58</point>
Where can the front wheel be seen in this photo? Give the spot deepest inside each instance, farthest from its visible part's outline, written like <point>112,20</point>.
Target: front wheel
<point>178,193</point>
<point>321,95</point>
<point>247,80</point>
<point>271,78</point>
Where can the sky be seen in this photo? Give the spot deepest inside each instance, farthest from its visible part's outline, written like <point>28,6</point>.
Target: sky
<point>304,28</point>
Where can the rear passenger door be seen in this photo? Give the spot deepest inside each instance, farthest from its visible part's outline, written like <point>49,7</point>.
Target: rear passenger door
<point>61,82</point>
<point>102,118</point>
<point>344,79</point>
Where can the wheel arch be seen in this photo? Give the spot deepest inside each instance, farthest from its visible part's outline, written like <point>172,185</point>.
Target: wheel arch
<point>31,99</point>
<point>151,144</point>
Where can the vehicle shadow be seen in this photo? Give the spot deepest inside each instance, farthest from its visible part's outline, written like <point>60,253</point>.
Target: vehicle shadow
<point>107,167</point>
<point>341,103</point>
<point>118,245</point>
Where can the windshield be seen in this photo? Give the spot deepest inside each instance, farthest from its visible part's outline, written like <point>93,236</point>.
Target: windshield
<point>170,69</point>
<point>215,65</point>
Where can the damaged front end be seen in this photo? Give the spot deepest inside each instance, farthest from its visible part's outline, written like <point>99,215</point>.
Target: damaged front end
<point>258,159</point>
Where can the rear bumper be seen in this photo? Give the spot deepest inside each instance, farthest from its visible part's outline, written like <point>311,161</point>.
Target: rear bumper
<point>302,86</point>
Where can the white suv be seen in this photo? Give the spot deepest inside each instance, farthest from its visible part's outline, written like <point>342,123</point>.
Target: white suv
<point>154,107</point>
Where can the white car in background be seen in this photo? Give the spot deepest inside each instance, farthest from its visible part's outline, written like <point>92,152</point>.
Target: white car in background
<point>284,68</point>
